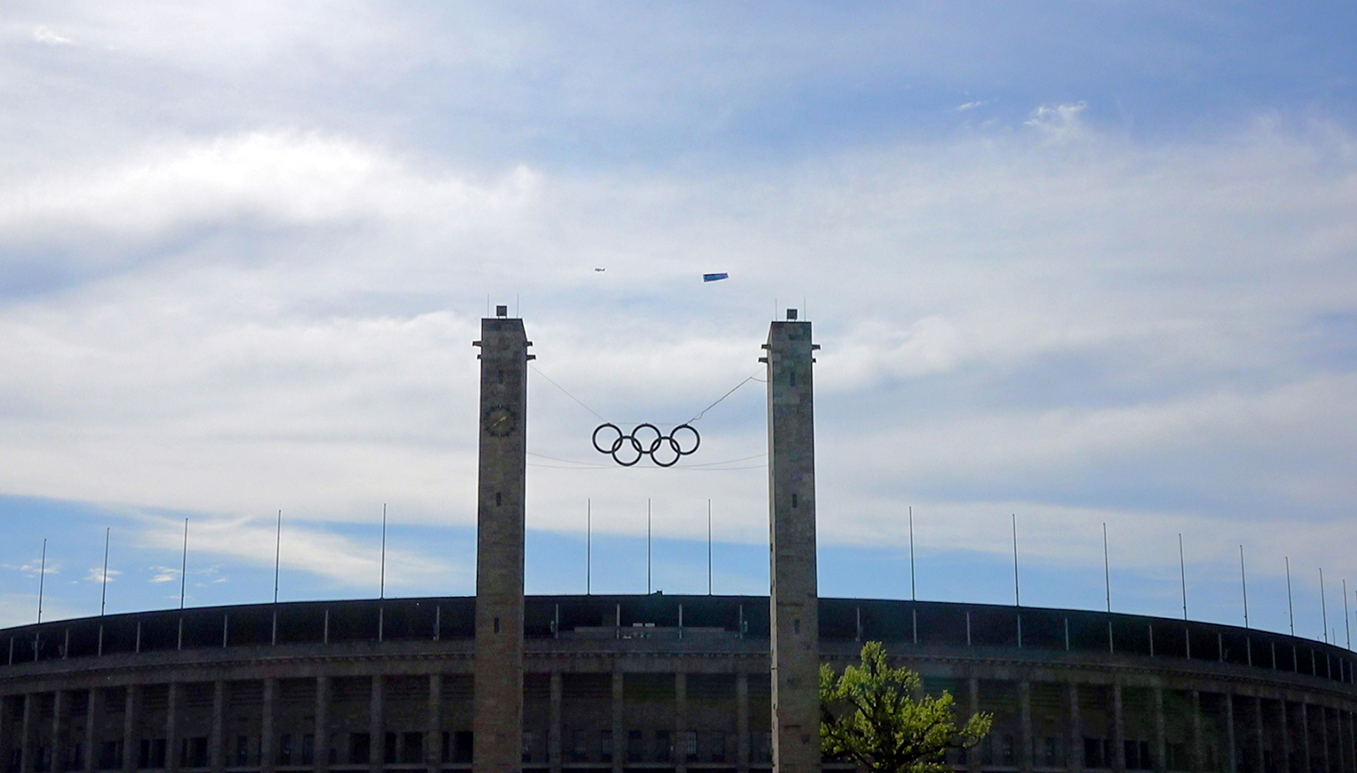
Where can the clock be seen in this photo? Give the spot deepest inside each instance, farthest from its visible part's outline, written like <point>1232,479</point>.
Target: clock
<point>500,420</point>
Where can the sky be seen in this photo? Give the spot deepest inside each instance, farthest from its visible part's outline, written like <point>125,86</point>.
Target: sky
<point>1071,264</point>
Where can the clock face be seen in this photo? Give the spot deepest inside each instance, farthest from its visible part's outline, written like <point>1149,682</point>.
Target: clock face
<point>500,420</point>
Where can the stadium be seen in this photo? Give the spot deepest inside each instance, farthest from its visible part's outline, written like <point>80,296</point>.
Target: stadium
<point>633,683</point>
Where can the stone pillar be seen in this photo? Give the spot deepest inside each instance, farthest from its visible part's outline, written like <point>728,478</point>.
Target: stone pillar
<point>1260,748</point>
<point>619,731</point>
<point>794,603</point>
<point>1197,761</point>
<point>1161,749</point>
<point>554,723</point>
<point>60,707</point>
<point>1285,766</point>
<point>498,691</point>
<point>1025,725</point>
<point>1231,755</point>
<point>377,727</point>
<point>973,690</point>
<point>130,717</point>
<point>172,708</point>
<point>216,747</point>
<point>1305,736</point>
<point>93,713</point>
<point>680,721</point>
<point>742,722</point>
<point>322,726</point>
<point>433,748</point>
<point>1075,751</point>
<point>1118,731</point>
<point>268,759</point>
<point>30,722</point>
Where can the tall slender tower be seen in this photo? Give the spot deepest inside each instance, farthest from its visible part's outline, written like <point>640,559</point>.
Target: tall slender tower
<point>791,504</point>
<point>498,701</point>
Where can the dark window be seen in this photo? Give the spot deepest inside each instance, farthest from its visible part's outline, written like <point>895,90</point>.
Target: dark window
<point>605,746</point>
<point>663,748</point>
<point>308,749</point>
<point>242,751</point>
<point>360,748</point>
<point>285,749</point>
<point>446,752</point>
<point>635,746</point>
<point>110,755</point>
<point>463,742</point>
<point>579,750</point>
<point>412,748</point>
<point>390,748</point>
<point>197,752</point>
<point>718,746</point>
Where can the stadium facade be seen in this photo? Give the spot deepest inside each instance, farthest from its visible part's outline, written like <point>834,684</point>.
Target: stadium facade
<point>650,683</point>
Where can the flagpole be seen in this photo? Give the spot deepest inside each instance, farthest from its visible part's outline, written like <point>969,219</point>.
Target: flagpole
<point>277,555</point>
<point>381,583</point>
<point>1107,571</point>
<point>42,577</point>
<point>183,567</point>
<point>1182,574</point>
<point>913,593</point>
<point>1290,606</point>
<point>1017,598</point>
<point>709,550</point>
<point>1323,605</point>
<point>103,596</point>
<point>1244,583</point>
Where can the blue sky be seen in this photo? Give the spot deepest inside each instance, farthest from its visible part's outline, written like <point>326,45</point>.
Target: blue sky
<point>1082,262</point>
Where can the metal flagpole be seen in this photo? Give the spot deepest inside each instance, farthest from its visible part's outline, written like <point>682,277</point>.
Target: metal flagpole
<point>183,567</point>
<point>42,577</point>
<point>1323,605</point>
<point>277,555</point>
<point>1017,598</point>
<point>1290,607</point>
<point>1182,574</point>
<point>647,545</point>
<point>381,582</point>
<point>913,594</point>
<point>709,548</point>
<point>1346,626</point>
<point>588,545</point>
<point>1107,571</point>
<point>1244,583</point>
<point>103,597</point>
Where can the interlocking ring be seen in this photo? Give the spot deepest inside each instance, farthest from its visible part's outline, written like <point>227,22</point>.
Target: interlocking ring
<point>645,440</point>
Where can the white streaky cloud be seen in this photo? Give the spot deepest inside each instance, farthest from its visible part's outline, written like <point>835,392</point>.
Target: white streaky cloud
<point>163,574</point>
<point>971,105</point>
<point>96,574</point>
<point>305,548</point>
<point>1059,123</point>
<point>46,36</point>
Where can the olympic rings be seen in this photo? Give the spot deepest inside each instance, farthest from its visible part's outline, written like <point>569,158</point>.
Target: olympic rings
<point>645,440</point>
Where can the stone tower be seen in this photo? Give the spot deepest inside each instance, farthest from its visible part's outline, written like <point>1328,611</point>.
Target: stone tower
<point>791,504</point>
<point>498,669</point>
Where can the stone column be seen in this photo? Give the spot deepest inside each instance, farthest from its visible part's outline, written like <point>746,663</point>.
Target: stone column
<point>498,691</point>
<point>60,707</point>
<point>1025,725</point>
<point>680,721</point>
<point>377,727</point>
<point>973,702</point>
<point>1161,748</point>
<point>322,726</point>
<point>433,748</point>
<point>794,602</point>
<point>1305,735</point>
<point>554,723</point>
<point>216,747</point>
<point>619,732</point>
<point>268,759</point>
<point>1231,756</point>
<point>742,722</point>
<point>1258,728</point>
<point>1197,761</point>
<point>1118,731</point>
<point>30,722</point>
<point>1075,750</point>
<point>172,706</point>
<point>93,713</point>
<point>1285,766</point>
<point>131,714</point>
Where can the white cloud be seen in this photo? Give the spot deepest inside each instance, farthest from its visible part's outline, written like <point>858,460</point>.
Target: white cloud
<point>972,105</point>
<point>1059,123</point>
<point>96,574</point>
<point>46,36</point>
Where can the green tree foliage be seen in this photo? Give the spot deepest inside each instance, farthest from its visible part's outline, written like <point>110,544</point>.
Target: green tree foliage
<point>869,714</point>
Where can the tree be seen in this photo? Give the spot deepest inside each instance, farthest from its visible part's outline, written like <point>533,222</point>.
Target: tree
<point>869,714</point>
